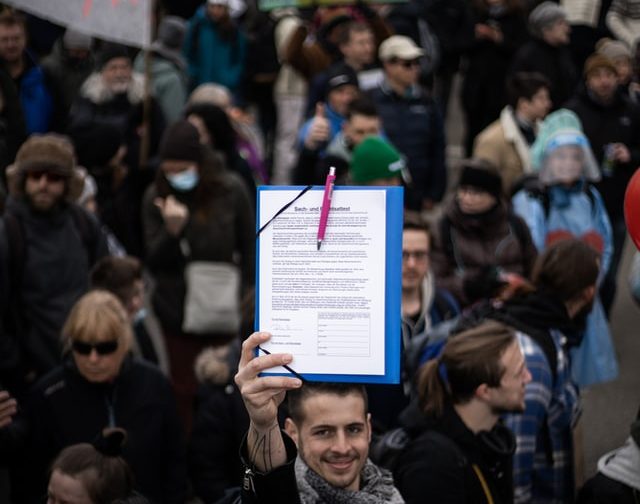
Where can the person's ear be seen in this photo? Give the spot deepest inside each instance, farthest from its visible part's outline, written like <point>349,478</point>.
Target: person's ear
<point>588,294</point>
<point>291,429</point>
<point>483,392</point>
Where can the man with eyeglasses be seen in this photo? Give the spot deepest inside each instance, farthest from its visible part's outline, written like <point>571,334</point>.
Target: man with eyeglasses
<point>423,306</point>
<point>411,121</point>
<point>47,247</point>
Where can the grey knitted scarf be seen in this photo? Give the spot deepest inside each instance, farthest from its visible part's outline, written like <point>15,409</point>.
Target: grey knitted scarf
<point>376,487</point>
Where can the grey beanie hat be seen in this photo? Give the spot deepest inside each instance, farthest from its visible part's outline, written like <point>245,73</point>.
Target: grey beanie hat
<point>168,44</point>
<point>613,49</point>
<point>75,40</point>
<point>543,16</point>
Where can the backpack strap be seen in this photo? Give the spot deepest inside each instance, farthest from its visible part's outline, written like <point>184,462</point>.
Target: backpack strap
<point>88,230</point>
<point>449,244</point>
<point>518,227</point>
<point>16,251</point>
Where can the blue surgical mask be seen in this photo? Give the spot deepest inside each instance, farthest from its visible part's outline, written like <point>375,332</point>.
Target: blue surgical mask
<point>185,180</point>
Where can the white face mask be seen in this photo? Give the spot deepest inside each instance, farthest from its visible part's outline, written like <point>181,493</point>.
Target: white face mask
<point>139,315</point>
<point>185,180</point>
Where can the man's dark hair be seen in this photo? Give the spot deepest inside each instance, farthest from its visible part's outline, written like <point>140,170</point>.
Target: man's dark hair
<point>296,397</point>
<point>116,275</point>
<point>361,106</point>
<point>413,221</point>
<point>525,85</point>
<point>344,35</point>
<point>12,18</point>
<point>566,268</point>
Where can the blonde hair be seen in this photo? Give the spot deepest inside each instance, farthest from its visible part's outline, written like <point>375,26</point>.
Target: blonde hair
<point>97,316</point>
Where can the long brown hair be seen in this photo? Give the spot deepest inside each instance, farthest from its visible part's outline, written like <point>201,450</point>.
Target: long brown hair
<point>468,360</point>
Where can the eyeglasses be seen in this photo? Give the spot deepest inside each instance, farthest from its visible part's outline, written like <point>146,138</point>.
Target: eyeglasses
<point>407,63</point>
<point>418,255</point>
<point>50,176</point>
<point>103,348</point>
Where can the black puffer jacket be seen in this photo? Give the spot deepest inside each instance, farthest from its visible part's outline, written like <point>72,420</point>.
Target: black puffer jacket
<point>554,63</point>
<point>442,461</point>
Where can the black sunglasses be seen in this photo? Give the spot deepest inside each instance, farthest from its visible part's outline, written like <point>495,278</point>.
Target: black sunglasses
<point>407,63</point>
<point>50,176</point>
<point>104,348</point>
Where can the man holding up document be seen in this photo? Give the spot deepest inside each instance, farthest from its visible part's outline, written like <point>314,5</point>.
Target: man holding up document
<point>322,455</point>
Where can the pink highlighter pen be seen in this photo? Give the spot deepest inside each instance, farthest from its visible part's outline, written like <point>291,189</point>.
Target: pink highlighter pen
<point>326,204</point>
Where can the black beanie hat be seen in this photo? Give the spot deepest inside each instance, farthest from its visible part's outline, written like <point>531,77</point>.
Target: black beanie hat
<point>181,142</point>
<point>110,51</point>
<point>476,173</point>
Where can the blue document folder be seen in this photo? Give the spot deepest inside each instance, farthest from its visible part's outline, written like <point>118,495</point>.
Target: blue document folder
<point>392,284</point>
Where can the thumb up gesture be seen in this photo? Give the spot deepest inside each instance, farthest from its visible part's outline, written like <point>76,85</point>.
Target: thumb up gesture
<point>319,130</point>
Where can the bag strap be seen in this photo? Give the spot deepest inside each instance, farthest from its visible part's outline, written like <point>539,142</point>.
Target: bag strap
<point>483,483</point>
<point>88,231</point>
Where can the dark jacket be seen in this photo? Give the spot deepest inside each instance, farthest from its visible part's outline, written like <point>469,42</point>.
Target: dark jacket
<point>414,126</point>
<point>221,232</point>
<point>278,485</point>
<point>605,124</point>
<point>13,129</point>
<point>443,467</point>
<point>220,424</point>
<point>67,74</point>
<point>64,409</point>
<point>475,242</point>
<point>483,91</point>
<point>96,104</point>
<point>603,490</point>
<point>52,272</point>
<point>554,63</point>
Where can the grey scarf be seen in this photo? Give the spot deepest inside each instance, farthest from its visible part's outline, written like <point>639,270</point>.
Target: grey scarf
<point>376,487</point>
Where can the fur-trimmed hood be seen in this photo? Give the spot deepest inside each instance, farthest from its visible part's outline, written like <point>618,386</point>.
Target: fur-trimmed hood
<point>95,91</point>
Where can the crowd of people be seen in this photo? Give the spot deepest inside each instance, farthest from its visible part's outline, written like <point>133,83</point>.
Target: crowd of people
<point>117,198</point>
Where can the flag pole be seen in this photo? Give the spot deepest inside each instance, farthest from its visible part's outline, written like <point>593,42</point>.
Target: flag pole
<point>145,140</point>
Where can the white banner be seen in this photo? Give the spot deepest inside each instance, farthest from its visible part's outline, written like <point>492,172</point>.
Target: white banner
<point>124,21</point>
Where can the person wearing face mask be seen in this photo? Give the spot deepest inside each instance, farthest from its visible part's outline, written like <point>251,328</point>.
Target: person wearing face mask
<point>563,204</point>
<point>195,211</point>
<point>98,386</point>
<point>480,246</point>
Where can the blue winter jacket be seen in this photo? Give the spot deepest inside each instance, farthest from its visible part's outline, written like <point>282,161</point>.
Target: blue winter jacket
<point>36,100</point>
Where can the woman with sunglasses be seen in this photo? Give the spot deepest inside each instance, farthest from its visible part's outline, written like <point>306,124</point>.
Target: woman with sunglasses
<point>98,386</point>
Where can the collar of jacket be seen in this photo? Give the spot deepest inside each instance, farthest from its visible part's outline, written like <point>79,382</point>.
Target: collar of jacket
<point>414,92</point>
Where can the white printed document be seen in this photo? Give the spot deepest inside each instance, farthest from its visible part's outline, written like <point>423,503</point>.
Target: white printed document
<point>327,307</point>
